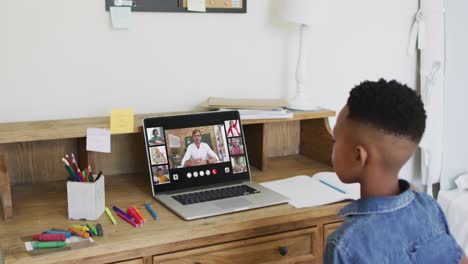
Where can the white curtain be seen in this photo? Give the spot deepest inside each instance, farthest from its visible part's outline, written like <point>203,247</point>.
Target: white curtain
<point>428,36</point>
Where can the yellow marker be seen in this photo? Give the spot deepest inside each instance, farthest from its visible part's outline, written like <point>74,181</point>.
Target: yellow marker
<point>80,227</point>
<point>122,121</point>
<point>109,213</point>
<point>139,214</point>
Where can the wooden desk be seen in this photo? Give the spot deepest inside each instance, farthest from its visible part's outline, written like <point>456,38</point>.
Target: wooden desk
<point>254,235</point>
<point>34,181</point>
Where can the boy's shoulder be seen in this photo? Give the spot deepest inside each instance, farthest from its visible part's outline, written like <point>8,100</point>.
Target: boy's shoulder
<point>416,208</point>
<point>390,228</point>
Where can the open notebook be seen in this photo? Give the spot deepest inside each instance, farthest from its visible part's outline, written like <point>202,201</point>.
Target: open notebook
<point>308,191</point>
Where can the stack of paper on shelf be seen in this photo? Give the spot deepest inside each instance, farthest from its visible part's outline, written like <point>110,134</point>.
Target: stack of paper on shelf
<point>266,104</point>
<point>251,108</point>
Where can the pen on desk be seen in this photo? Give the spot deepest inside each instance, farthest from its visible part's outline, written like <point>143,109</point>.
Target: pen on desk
<point>331,186</point>
<point>109,213</point>
<point>51,244</point>
<point>66,233</point>
<point>78,232</point>
<point>152,212</point>
<point>92,228</point>
<point>81,227</point>
<point>118,210</point>
<point>128,220</point>
<point>139,213</point>
<point>99,230</point>
<point>136,218</point>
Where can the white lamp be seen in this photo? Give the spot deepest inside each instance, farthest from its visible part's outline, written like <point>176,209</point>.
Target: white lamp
<point>305,13</point>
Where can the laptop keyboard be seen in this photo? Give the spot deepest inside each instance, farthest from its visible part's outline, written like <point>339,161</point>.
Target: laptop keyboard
<point>214,194</point>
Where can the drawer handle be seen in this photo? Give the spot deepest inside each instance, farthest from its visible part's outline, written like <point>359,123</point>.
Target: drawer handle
<point>283,251</point>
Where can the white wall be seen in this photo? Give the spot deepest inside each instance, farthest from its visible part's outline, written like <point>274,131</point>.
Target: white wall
<point>456,93</point>
<point>61,59</point>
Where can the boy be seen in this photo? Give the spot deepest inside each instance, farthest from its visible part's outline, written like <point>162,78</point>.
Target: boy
<point>375,135</point>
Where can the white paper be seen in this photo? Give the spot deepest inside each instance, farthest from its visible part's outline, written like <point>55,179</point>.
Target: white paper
<point>196,5</point>
<point>305,191</point>
<point>262,114</point>
<point>236,3</point>
<point>98,139</point>
<point>120,16</point>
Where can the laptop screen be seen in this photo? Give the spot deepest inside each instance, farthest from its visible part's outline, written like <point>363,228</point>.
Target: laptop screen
<point>186,151</point>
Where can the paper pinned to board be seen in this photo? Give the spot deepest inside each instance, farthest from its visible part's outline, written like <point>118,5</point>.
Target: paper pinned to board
<point>306,191</point>
<point>196,5</point>
<point>98,139</point>
<point>120,16</point>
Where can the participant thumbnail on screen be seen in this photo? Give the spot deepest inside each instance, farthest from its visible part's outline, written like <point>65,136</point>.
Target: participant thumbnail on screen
<point>161,174</point>
<point>155,136</point>
<point>236,146</point>
<point>158,155</point>
<point>197,146</point>
<point>239,164</point>
<point>232,128</point>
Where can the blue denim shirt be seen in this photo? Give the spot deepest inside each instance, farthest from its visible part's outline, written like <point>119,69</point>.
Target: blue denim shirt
<point>406,228</point>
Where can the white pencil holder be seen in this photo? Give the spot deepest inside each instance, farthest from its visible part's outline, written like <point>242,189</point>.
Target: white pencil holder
<point>86,200</point>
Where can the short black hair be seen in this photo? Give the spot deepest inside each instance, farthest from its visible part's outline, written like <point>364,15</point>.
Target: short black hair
<point>391,106</point>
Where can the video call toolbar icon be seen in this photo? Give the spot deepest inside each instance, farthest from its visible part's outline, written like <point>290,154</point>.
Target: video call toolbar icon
<point>175,177</point>
<point>227,170</point>
<point>202,173</point>
<point>207,172</point>
<point>195,174</point>
<point>214,171</point>
<point>189,175</point>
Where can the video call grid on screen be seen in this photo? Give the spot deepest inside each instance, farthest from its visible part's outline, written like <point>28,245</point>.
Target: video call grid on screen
<point>173,156</point>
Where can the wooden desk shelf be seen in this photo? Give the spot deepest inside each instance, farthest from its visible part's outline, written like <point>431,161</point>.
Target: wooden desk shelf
<point>34,194</point>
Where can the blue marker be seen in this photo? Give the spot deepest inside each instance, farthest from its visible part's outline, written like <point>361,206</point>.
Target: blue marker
<point>120,211</point>
<point>331,186</point>
<point>67,234</point>
<point>152,212</point>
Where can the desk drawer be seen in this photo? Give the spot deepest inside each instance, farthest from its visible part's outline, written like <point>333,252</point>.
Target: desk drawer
<point>133,261</point>
<point>301,246</point>
<point>328,229</point>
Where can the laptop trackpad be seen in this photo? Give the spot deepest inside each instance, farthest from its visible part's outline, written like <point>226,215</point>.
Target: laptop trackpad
<point>233,203</point>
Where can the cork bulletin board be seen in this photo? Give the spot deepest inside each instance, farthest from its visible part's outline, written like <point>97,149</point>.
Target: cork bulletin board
<point>212,6</point>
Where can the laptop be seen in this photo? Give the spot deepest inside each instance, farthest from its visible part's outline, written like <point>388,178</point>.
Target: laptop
<point>198,165</point>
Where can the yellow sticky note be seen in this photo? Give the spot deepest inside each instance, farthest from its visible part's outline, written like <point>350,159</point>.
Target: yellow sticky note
<point>122,121</point>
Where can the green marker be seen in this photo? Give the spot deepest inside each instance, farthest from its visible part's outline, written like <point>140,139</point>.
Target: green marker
<point>93,229</point>
<point>54,244</point>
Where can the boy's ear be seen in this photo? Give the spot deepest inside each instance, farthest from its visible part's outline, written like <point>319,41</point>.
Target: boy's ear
<point>360,155</point>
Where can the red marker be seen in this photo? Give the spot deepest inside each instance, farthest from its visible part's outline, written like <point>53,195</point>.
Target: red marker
<point>135,216</point>
<point>49,237</point>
